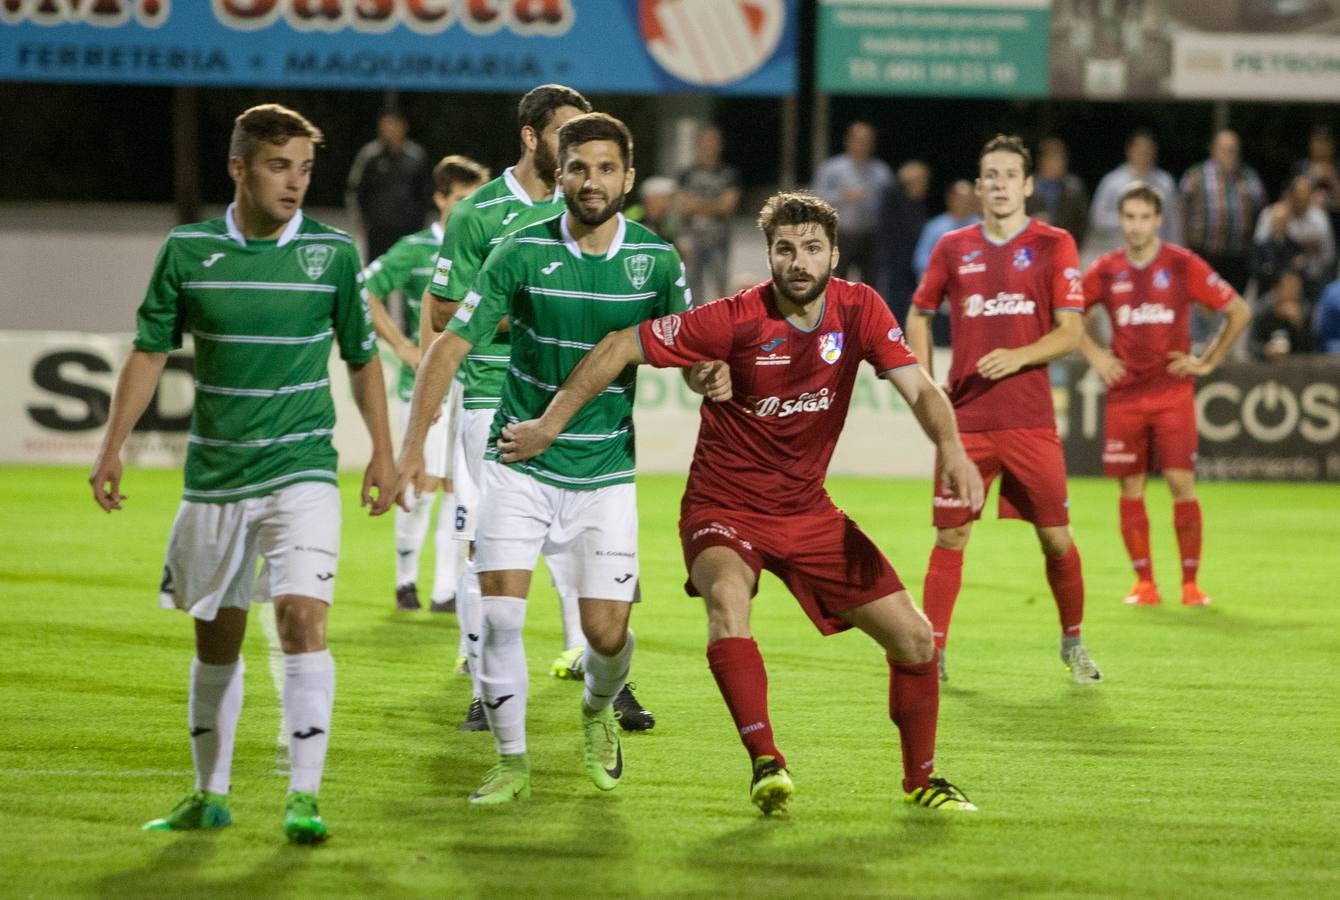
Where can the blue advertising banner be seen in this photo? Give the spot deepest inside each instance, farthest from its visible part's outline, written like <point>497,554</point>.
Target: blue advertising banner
<point>739,47</point>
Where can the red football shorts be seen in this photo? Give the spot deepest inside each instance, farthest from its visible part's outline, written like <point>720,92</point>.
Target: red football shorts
<point>1031,467</point>
<point>825,560</point>
<point>1150,433</point>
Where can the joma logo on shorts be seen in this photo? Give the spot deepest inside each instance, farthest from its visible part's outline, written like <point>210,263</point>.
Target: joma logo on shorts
<point>811,401</point>
<point>1003,304</point>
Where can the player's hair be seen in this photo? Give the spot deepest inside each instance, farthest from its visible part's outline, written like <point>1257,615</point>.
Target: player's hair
<point>540,104</point>
<point>1009,143</point>
<point>595,126</point>
<point>1138,190</point>
<point>453,170</point>
<point>269,123</point>
<point>797,208</point>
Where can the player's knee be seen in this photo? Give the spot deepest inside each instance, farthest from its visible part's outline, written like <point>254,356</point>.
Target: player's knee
<point>301,626</point>
<point>1055,541</point>
<point>914,644</point>
<point>607,641</point>
<point>955,538</point>
<point>727,610</point>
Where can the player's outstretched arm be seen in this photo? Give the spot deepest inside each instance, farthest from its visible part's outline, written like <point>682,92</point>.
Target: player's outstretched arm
<point>1063,338</point>
<point>936,417</point>
<point>615,352</point>
<point>435,373</point>
<point>1237,316</point>
<point>369,390</point>
<point>134,390</point>
<point>918,332</point>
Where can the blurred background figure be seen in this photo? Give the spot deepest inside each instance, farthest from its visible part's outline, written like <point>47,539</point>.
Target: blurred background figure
<point>390,188</point>
<point>853,182</point>
<point>961,208</point>
<point>1280,328</point>
<point>1293,235</point>
<point>902,215</point>
<point>1320,166</point>
<point>709,193</point>
<point>1142,153</point>
<point>1060,197</point>
<point>1326,320</point>
<point>1221,199</point>
<point>657,209</point>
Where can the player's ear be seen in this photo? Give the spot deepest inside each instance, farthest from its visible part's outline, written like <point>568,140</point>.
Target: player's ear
<point>1028,185</point>
<point>530,139</point>
<point>237,169</point>
<point>833,258</point>
<point>628,178</point>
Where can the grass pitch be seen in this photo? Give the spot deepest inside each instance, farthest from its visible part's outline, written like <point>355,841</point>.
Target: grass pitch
<point>1204,766</point>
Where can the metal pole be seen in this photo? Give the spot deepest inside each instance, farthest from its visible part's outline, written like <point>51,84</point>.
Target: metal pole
<point>185,154</point>
<point>819,130</point>
<point>790,138</point>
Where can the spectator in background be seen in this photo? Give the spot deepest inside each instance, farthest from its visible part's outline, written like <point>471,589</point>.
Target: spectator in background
<point>1294,235</point>
<point>1326,320</point>
<point>961,208</point>
<point>709,193</point>
<point>657,209</point>
<point>853,183</point>
<point>1059,197</point>
<point>902,215</point>
<point>1320,166</point>
<point>1221,199</point>
<point>1280,328</point>
<point>390,187</point>
<point>1142,152</point>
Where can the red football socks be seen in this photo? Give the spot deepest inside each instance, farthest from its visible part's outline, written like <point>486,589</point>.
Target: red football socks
<point>944,577</point>
<point>1067,582</point>
<point>914,706</point>
<point>1135,532</point>
<point>743,681</point>
<point>1187,522</point>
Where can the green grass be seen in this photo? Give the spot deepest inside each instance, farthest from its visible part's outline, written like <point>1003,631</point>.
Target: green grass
<point>1205,766</point>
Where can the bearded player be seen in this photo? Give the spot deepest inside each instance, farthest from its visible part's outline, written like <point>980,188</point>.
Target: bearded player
<point>1013,286</point>
<point>1147,288</point>
<point>792,347</point>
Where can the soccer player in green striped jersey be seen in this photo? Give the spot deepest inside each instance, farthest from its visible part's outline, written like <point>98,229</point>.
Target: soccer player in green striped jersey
<point>407,267</point>
<point>523,194</point>
<point>565,283</point>
<point>265,292</point>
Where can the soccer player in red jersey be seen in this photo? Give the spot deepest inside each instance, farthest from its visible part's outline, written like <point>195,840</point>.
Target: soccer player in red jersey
<point>1148,288</point>
<point>785,354</point>
<point>1013,286</point>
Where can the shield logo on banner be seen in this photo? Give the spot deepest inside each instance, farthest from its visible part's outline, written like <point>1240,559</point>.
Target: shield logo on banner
<point>830,346</point>
<point>315,259</point>
<point>638,268</point>
<point>687,37</point>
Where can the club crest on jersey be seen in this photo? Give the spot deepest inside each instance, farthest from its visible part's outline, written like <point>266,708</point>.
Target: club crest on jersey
<point>638,269</point>
<point>1162,279</point>
<point>315,259</point>
<point>830,346</point>
<point>1023,258</point>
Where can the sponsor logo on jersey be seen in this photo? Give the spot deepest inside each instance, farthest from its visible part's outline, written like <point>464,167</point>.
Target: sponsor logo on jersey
<point>1162,279</point>
<point>666,328</point>
<point>1003,304</point>
<point>315,259</point>
<point>969,257</point>
<point>1145,314</point>
<point>772,359</point>
<point>895,334</point>
<point>970,268</point>
<point>212,260</point>
<point>830,346</point>
<point>1071,272</point>
<point>725,531</point>
<point>549,269</point>
<point>468,306</point>
<point>949,502</point>
<point>1023,258</point>
<point>1121,286</point>
<point>638,269</point>
<point>772,345</point>
<point>808,402</point>
<point>507,220</point>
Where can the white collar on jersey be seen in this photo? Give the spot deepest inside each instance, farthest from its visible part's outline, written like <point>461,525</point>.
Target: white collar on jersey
<point>518,191</point>
<point>571,242</point>
<point>285,236</point>
<point>1126,254</point>
<point>995,243</point>
<point>437,231</point>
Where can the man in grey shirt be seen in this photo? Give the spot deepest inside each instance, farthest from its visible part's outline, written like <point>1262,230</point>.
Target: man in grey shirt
<point>709,192</point>
<point>853,182</point>
<point>1142,152</point>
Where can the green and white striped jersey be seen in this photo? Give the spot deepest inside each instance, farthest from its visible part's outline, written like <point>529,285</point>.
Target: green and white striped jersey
<point>263,314</point>
<point>561,302</point>
<point>406,267</point>
<point>476,227</point>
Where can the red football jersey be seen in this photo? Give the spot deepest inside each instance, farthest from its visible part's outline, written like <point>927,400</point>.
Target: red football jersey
<point>1150,309</point>
<point>1001,295</point>
<point>767,449</point>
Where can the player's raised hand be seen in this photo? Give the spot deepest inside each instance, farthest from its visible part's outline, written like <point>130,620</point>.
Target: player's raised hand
<point>409,477</point>
<point>1109,368</point>
<point>1184,364</point>
<point>521,441</point>
<point>711,379</point>
<point>1000,363</point>
<point>962,479</point>
<point>380,474</point>
<point>106,481</point>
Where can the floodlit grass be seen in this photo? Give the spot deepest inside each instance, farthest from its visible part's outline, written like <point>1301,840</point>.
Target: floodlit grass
<point>1204,766</point>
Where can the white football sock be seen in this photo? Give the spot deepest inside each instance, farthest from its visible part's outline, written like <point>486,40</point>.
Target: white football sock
<point>450,553</point>
<point>470,618</point>
<point>309,694</point>
<point>212,712</point>
<point>503,680</point>
<point>606,675</point>
<point>410,529</point>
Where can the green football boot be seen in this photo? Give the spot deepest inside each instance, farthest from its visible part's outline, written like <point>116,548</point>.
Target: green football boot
<point>940,795</point>
<point>603,755</point>
<point>568,664</point>
<point>203,809</point>
<point>302,821</point>
<point>507,781</point>
<point>772,788</point>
